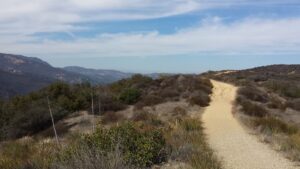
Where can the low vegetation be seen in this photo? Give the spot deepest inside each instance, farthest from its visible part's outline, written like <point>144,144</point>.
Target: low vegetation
<point>27,115</point>
<point>130,145</point>
<point>140,140</point>
<point>127,145</point>
<point>251,108</point>
<point>130,96</point>
<point>275,130</point>
<point>263,83</point>
<point>283,136</point>
<point>188,144</point>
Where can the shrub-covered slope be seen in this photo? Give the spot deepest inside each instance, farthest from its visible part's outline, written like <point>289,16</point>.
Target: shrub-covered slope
<point>29,114</point>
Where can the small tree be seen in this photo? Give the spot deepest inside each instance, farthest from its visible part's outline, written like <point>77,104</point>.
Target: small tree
<point>130,96</point>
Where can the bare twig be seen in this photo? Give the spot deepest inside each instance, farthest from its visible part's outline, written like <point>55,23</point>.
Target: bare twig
<point>53,124</point>
<point>99,104</point>
<point>92,106</point>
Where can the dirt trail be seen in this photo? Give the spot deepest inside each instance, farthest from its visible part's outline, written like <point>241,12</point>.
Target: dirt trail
<point>235,147</point>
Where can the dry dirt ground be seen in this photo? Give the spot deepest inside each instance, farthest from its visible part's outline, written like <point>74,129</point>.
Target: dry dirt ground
<point>237,148</point>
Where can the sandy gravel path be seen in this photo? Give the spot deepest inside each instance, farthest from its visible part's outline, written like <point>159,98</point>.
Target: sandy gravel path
<point>232,143</point>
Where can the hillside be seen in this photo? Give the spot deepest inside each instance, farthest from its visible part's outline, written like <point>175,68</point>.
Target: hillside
<point>21,75</point>
<point>99,75</point>
<point>141,123</point>
<point>261,74</point>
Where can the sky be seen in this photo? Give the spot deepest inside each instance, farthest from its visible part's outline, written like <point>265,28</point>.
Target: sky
<point>174,36</point>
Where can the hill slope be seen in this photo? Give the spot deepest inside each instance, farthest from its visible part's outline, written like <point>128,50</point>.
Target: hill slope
<point>99,75</point>
<point>21,75</point>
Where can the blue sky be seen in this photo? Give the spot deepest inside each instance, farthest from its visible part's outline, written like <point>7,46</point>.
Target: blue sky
<point>188,36</point>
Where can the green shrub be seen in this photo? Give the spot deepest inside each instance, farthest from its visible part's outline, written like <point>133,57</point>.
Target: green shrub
<point>29,114</point>
<point>137,81</point>
<point>130,96</point>
<point>141,148</point>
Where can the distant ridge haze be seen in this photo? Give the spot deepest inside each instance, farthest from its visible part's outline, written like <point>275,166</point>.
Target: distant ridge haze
<point>99,75</point>
<point>21,75</point>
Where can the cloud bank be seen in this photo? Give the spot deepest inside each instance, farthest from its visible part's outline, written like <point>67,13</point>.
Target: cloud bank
<point>19,20</point>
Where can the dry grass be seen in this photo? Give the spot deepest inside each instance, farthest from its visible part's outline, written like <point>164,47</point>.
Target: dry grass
<point>282,136</point>
<point>27,153</point>
<point>80,155</point>
<point>274,125</point>
<point>189,145</point>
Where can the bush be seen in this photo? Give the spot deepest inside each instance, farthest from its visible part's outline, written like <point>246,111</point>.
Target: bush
<point>276,103</point>
<point>199,98</point>
<point>252,109</point>
<point>84,157</point>
<point>179,111</point>
<point>146,119</point>
<point>112,117</point>
<point>141,148</point>
<point>294,104</point>
<point>110,103</point>
<point>130,96</point>
<point>141,116</point>
<point>169,92</point>
<point>149,100</point>
<point>254,94</point>
<point>137,81</point>
<point>284,88</point>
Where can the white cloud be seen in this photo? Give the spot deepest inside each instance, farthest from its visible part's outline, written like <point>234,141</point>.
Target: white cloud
<point>248,36</point>
<point>52,15</point>
<point>19,19</point>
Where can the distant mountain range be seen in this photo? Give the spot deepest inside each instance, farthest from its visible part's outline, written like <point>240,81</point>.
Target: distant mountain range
<point>98,75</point>
<point>21,75</point>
